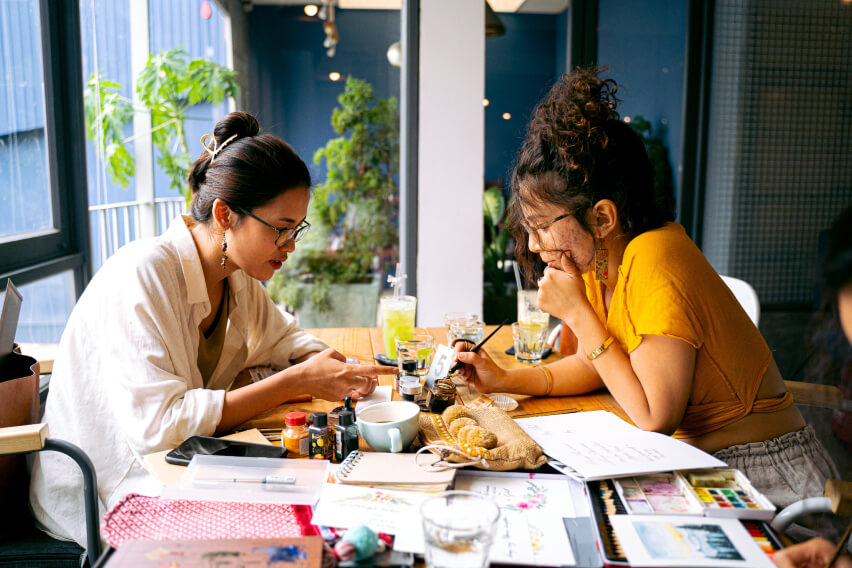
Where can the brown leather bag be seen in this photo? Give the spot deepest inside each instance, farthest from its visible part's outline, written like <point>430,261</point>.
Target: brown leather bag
<point>19,405</point>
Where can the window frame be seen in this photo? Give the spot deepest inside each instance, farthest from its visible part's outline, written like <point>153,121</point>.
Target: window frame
<point>66,245</point>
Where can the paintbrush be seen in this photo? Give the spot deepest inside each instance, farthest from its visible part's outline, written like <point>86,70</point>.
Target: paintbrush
<point>459,364</point>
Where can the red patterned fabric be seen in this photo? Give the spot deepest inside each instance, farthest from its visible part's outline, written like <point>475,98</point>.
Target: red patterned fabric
<point>139,517</point>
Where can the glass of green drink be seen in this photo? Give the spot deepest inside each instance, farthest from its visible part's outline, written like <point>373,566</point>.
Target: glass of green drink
<point>397,319</point>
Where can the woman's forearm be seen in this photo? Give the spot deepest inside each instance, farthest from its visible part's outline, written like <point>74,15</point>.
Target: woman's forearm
<point>246,402</point>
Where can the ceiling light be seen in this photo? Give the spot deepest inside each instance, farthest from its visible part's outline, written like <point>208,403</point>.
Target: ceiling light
<point>485,102</point>
<point>627,119</point>
<point>311,10</point>
<point>334,76</point>
<point>395,54</point>
<point>507,115</point>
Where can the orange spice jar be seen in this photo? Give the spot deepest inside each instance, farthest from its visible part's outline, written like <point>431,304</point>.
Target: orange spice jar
<point>295,435</point>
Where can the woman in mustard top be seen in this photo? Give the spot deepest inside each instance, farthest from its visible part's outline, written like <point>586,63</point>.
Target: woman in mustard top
<point>655,323</point>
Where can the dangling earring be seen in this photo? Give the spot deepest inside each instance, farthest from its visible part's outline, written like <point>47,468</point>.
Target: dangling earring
<point>601,263</point>
<point>224,251</point>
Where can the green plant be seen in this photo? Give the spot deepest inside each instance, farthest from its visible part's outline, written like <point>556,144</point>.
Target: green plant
<point>658,154</point>
<point>497,239</point>
<point>352,211</point>
<point>168,86</point>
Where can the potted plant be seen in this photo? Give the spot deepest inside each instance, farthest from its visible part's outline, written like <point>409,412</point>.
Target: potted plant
<point>499,294</point>
<point>334,276</point>
<point>168,86</point>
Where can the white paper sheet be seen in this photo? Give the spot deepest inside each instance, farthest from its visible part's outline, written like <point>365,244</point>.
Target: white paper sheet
<point>381,394</point>
<point>391,512</point>
<point>661,540</point>
<point>598,444</point>
<point>530,529</point>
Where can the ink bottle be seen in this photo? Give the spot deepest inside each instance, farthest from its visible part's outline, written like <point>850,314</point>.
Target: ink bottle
<point>345,436</point>
<point>322,437</point>
<point>442,395</point>
<point>409,371</point>
<point>410,390</point>
<point>347,404</point>
<point>295,435</point>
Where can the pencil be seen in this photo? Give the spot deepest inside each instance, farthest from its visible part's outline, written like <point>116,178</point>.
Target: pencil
<point>840,546</point>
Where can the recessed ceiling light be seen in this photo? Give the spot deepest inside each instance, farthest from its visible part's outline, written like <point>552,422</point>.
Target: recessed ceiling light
<point>485,102</point>
<point>334,76</point>
<point>507,115</point>
<point>311,10</point>
<point>627,119</point>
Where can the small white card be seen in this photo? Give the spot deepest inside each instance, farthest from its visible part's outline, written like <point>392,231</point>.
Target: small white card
<point>441,363</point>
<point>391,512</point>
<point>661,540</point>
<point>381,394</point>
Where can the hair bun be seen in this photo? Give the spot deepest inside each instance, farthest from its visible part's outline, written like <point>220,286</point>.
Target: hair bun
<point>240,123</point>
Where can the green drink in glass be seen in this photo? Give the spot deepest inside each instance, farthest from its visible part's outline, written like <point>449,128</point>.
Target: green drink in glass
<point>397,319</point>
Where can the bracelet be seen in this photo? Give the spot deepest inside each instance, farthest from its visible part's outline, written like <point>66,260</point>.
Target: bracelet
<point>548,376</point>
<point>456,340</point>
<point>600,349</point>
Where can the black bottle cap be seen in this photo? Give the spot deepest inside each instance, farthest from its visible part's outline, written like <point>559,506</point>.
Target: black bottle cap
<point>346,418</point>
<point>320,419</point>
<point>409,365</point>
<point>347,402</point>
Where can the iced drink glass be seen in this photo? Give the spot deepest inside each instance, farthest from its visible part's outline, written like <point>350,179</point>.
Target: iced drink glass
<point>397,319</point>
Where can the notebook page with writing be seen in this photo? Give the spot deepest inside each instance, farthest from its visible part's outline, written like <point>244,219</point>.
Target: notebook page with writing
<point>378,468</point>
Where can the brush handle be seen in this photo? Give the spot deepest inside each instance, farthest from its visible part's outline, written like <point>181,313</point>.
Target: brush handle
<point>458,364</point>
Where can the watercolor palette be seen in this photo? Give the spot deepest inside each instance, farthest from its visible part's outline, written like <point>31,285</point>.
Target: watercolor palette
<point>727,493</point>
<point>661,493</point>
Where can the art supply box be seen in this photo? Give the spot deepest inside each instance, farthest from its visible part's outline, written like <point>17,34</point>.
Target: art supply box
<point>696,493</point>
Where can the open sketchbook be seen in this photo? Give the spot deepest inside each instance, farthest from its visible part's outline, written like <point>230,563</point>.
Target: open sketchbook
<point>600,445</point>
<point>393,471</point>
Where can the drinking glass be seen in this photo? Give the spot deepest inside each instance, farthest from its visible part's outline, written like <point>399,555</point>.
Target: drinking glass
<point>471,329</point>
<point>414,347</point>
<point>397,319</point>
<point>458,529</point>
<point>452,317</point>
<point>529,342</point>
<point>528,312</point>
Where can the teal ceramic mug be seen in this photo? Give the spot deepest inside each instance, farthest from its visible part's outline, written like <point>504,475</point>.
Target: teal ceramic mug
<point>389,426</point>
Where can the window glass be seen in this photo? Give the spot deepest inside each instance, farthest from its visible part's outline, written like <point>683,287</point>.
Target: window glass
<point>45,308</point>
<point>25,196</point>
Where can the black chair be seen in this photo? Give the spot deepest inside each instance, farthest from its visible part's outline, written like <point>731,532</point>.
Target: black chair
<point>22,544</point>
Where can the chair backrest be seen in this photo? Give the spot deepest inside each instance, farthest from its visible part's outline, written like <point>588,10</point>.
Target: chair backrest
<point>746,296</point>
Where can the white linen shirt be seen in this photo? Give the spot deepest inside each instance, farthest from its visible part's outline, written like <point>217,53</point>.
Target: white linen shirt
<point>125,381</point>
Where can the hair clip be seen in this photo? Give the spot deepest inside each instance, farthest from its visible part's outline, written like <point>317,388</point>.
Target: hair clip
<point>214,149</point>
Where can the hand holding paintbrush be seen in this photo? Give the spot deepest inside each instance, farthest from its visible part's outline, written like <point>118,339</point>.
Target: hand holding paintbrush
<point>459,364</point>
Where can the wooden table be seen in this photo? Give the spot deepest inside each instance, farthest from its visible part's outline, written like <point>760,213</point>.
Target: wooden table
<point>364,343</point>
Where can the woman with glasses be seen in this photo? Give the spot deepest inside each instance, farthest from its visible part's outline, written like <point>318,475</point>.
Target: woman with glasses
<point>656,325</point>
<point>151,351</point>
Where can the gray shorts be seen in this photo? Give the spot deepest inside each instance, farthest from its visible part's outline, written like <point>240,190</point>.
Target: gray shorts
<point>788,468</point>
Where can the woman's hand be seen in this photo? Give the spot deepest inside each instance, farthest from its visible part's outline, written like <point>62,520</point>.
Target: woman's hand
<point>814,553</point>
<point>480,372</point>
<point>328,376</point>
<point>562,291</point>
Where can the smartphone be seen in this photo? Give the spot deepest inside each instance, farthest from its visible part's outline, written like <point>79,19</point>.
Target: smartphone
<point>209,446</point>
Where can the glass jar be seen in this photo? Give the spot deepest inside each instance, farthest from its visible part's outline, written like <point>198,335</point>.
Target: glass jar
<point>442,395</point>
<point>295,435</point>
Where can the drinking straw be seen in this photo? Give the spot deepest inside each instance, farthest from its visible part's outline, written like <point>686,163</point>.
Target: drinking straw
<point>396,281</point>
<point>517,275</point>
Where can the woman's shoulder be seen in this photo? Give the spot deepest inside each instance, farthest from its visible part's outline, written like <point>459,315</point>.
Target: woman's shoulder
<point>662,246</point>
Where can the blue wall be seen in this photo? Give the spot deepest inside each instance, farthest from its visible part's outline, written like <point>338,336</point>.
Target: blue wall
<point>520,67</point>
<point>290,91</point>
<point>643,42</point>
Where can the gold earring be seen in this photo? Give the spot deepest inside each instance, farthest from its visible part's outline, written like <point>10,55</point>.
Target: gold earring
<point>224,251</point>
<point>601,263</point>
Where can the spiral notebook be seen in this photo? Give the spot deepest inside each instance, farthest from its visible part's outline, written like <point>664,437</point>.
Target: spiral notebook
<point>392,471</point>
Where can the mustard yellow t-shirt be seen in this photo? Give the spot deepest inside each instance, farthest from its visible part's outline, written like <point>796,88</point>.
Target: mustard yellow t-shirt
<point>666,287</point>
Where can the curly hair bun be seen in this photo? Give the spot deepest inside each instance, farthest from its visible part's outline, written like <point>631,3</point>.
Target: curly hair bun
<point>240,123</point>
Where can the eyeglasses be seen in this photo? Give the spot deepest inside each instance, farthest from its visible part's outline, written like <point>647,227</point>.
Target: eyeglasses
<point>284,235</point>
<point>534,229</point>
